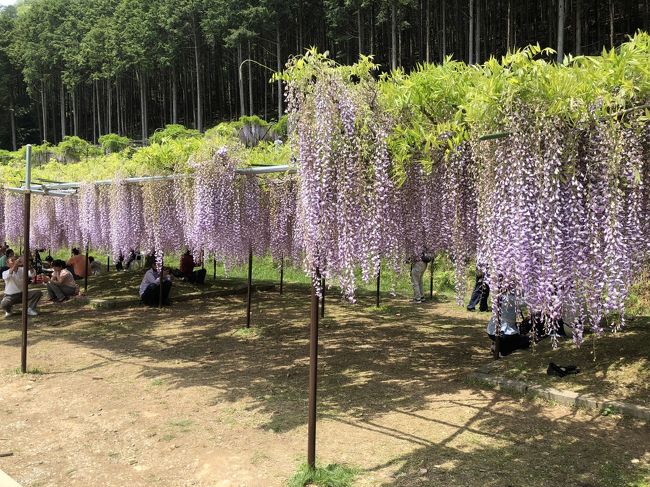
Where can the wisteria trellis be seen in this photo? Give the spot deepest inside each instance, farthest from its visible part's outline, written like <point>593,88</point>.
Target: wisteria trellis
<point>557,211</point>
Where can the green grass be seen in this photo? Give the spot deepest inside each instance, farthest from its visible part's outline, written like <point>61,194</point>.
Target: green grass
<point>31,370</point>
<point>330,476</point>
<point>247,332</point>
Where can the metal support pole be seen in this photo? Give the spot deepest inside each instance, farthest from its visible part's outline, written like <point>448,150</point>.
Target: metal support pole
<point>108,264</point>
<point>313,375</point>
<point>26,259</point>
<point>250,286</point>
<point>214,268</point>
<point>86,276</point>
<point>378,284</point>
<point>281,275</point>
<point>431,281</point>
<point>322,297</point>
<point>162,280</point>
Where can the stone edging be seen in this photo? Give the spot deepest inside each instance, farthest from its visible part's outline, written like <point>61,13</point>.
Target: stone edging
<point>566,398</point>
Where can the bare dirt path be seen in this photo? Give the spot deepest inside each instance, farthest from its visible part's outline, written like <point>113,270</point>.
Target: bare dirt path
<point>183,397</point>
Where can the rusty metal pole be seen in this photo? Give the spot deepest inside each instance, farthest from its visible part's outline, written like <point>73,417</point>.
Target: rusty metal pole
<point>162,280</point>
<point>313,376</point>
<point>87,270</point>
<point>378,284</point>
<point>322,299</point>
<point>26,260</point>
<point>281,275</point>
<point>250,286</point>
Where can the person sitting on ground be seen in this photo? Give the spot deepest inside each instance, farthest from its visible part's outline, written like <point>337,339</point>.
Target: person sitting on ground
<point>510,338</point>
<point>47,263</point>
<point>187,266</point>
<point>150,286</point>
<point>14,278</point>
<point>96,267</point>
<point>133,259</point>
<point>77,265</point>
<point>61,286</point>
<point>480,294</point>
<point>4,258</point>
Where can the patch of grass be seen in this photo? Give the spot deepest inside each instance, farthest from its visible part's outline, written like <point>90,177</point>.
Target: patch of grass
<point>167,437</point>
<point>158,382</point>
<point>183,424</point>
<point>330,476</point>
<point>610,411</point>
<point>247,332</point>
<point>32,370</point>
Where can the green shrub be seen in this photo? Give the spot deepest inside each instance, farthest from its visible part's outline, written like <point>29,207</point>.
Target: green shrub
<point>173,132</point>
<point>73,149</point>
<point>112,143</point>
<point>5,156</point>
<point>281,127</point>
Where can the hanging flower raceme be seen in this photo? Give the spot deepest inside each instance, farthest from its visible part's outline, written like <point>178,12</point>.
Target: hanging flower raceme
<point>346,196</point>
<point>560,218</point>
<point>216,220</point>
<point>3,238</point>
<point>254,216</point>
<point>45,232</point>
<point>163,232</point>
<point>282,216</point>
<point>126,216</point>
<point>13,217</point>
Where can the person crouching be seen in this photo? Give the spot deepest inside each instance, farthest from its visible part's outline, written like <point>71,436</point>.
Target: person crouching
<point>61,286</point>
<point>510,338</point>
<point>150,286</point>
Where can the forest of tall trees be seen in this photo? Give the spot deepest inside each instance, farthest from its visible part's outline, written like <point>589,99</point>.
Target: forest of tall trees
<point>91,67</point>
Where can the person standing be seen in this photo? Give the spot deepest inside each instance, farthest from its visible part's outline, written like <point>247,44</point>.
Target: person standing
<point>14,278</point>
<point>61,286</point>
<point>480,294</point>
<point>418,268</point>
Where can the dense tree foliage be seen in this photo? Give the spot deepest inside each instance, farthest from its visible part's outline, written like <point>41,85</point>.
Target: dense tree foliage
<point>92,67</point>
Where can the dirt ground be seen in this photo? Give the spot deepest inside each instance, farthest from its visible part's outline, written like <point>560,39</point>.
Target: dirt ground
<point>185,397</point>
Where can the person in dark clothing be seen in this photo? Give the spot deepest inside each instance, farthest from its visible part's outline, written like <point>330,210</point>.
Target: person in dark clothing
<point>187,266</point>
<point>480,294</point>
<point>119,264</point>
<point>150,286</point>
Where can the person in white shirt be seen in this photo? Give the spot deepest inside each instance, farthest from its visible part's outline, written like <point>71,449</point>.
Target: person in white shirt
<point>150,286</point>
<point>14,278</point>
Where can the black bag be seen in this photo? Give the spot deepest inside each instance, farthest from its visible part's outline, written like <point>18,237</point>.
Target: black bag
<point>426,257</point>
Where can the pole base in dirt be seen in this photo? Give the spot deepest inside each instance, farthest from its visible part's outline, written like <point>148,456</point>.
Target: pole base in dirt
<point>313,376</point>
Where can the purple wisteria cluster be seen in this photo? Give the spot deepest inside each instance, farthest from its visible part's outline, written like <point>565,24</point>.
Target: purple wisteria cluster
<point>347,201</point>
<point>282,195</point>
<point>561,217</point>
